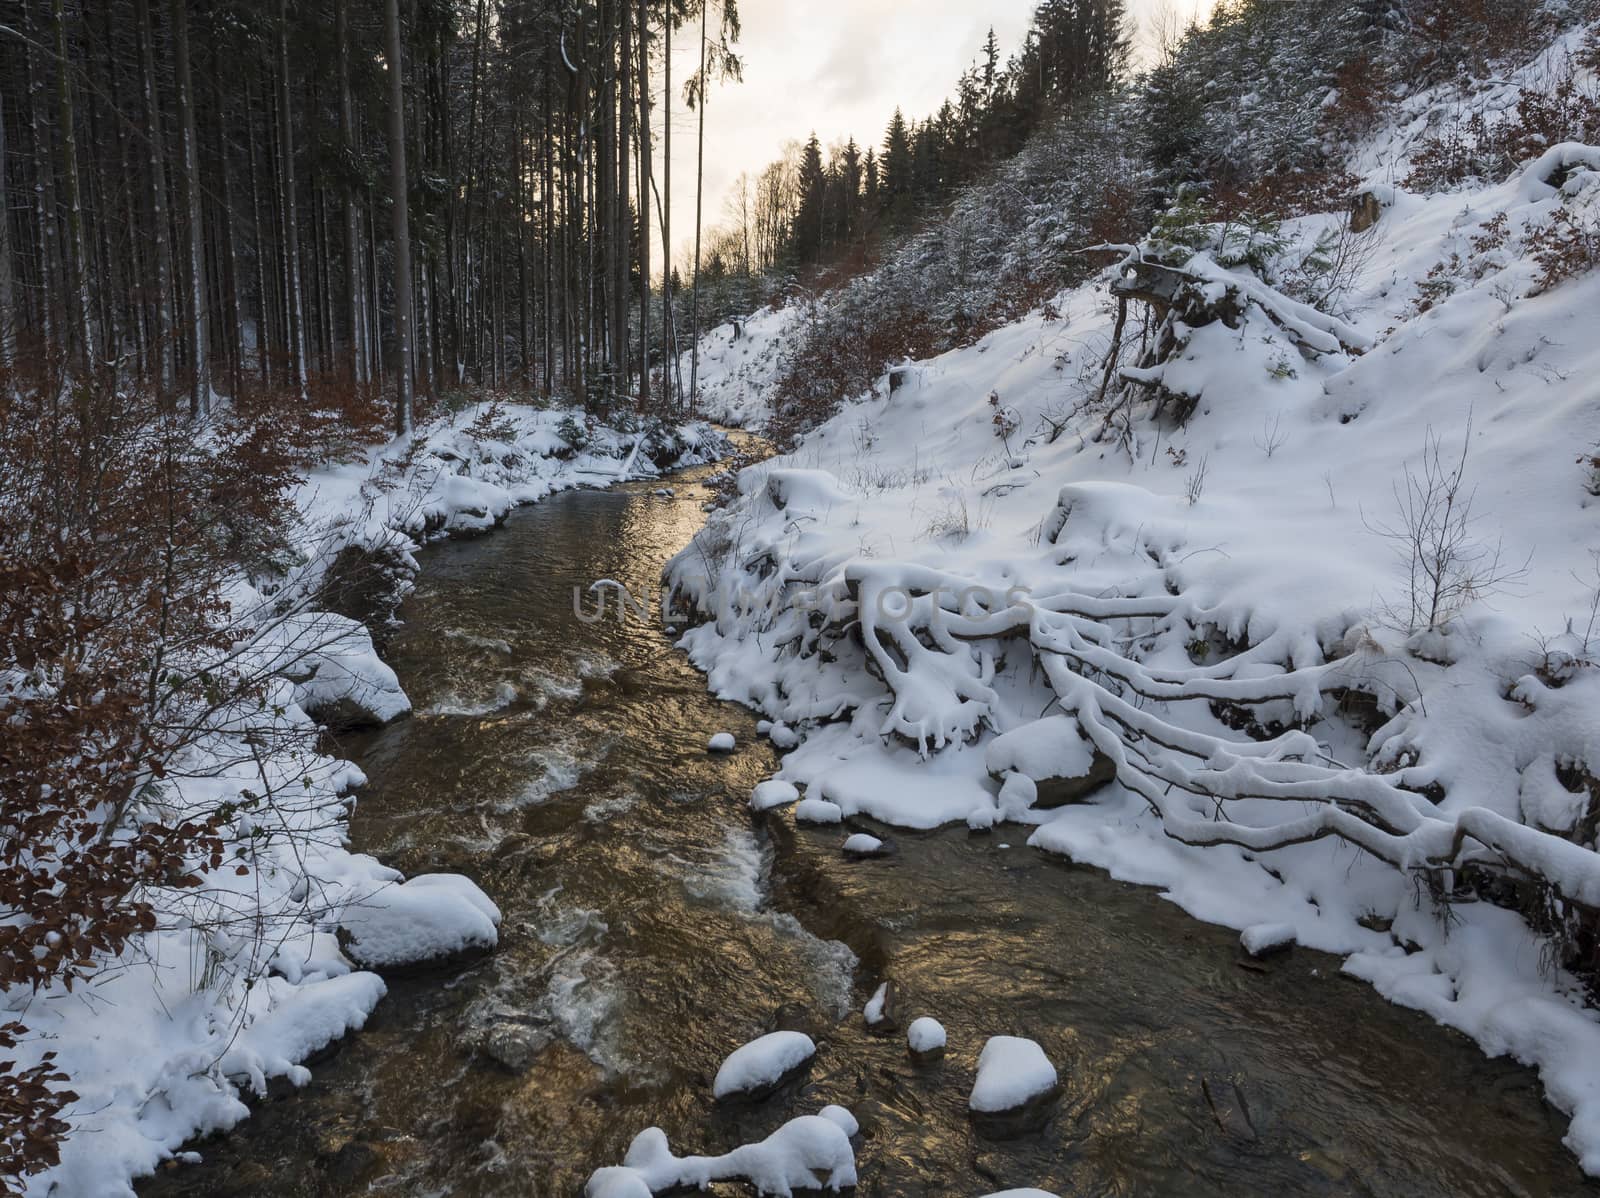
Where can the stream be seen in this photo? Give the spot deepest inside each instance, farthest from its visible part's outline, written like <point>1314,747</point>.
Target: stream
<point>651,927</point>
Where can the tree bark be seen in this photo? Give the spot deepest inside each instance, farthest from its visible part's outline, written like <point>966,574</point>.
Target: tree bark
<point>699,196</point>
<point>8,304</point>
<point>199,335</point>
<point>156,182</point>
<point>402,221</point>
<point>352,218</point>
<point>79,314</point>
<point>294,308</point>
<point>645,176</point>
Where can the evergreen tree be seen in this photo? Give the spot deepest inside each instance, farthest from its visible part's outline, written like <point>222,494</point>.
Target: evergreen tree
<point>810,218</point>
<point>899,172</point>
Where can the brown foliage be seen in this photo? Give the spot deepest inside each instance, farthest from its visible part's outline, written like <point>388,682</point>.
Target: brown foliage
<point>1566,248</point>
<point>1284,195</point>
<point>119,522</point>
<point>1476,147</point>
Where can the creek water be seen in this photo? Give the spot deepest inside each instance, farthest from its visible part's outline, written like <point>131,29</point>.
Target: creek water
<point>651,927</point>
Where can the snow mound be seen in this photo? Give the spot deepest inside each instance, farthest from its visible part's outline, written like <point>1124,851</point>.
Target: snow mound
<point>862,845</point>
<point>339,677</point>
<point>430,919</point>
<point>1012,1072</point>
<point>837,1114</point>
<point>925,1035</point>
<point>721,742</point>
<point>762,1064</point>
<point>1262,939</point>
<point>774,792</point>
<point>1054,755</point>
<point>803,1154</point>
<point>818,811</point>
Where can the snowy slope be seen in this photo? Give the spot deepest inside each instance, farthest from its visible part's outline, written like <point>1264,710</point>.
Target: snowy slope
<point>1241,556</point>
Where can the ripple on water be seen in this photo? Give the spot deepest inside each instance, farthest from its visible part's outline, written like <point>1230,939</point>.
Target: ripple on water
<point>737,877</point>
<point>456,705</point>
<point>489,644</point>
<point>560,769</point>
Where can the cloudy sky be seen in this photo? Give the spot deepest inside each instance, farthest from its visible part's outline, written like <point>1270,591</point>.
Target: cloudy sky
<point>837,68</point>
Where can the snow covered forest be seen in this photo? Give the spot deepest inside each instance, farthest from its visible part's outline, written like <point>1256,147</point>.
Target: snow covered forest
<point>1184,447</point>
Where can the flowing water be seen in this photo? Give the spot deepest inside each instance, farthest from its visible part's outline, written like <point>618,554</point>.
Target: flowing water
<point>651,927</point>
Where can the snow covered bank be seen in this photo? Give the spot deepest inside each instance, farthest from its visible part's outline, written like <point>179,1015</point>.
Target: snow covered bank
<point>278,953</point>
<point>1289,611</point>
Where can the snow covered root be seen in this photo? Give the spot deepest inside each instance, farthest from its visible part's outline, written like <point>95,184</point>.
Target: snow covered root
<point>432,920</point>
<point>810,1153</point>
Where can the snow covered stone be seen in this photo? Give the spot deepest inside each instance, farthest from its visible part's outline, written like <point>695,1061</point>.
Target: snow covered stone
<point>804,1154</point>
<point>783,736</point>
<point>862,845</point>
<point>926,1038</point>
<point>774,792</point>
<point>755,1070</point>
<point>844,1119</point>
<point>1013,1074</point>
<point>434,919</point>
<point>818,811</point>
<point>1264,939</point>
<point>338,677</point>
<point>1026,1192</point>
<point>617,1181</point>
<point>881,1009</point>
<point>722,742</point>
<point>1055,755</point>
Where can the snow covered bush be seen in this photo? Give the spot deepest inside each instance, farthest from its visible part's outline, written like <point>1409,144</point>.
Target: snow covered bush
<point>119,533</point>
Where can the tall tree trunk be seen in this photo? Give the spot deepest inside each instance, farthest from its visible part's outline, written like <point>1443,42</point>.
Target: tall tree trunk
<point>548,204</point>
<point>156,182</point>
<point>79,314</point>
<point>645,176</point>
<point>199,335</point>
<point>8,303</point>
<point>624,217</point>
<point>699,195</point>
<point>44,189</point>
<point>263,359</point>
<point>352,219</point>
<point>228,243</point>
<point>669,346</point>
<point>402,222</point>
<point>294,307</point>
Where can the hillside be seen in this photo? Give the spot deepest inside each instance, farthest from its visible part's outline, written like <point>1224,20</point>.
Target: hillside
<point>1289,610</point>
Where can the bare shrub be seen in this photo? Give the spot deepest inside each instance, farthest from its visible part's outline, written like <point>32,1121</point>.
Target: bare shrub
<point>1446,565</point>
